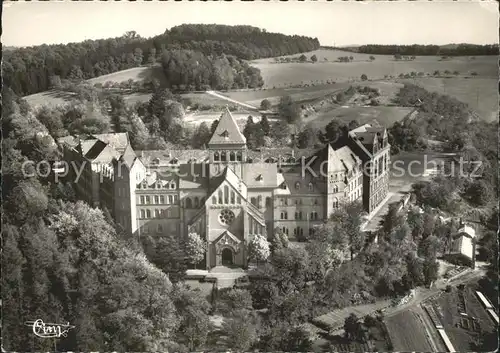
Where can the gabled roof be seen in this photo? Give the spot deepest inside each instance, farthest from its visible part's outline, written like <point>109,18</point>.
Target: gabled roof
<point>464,246</point>
<point>232,179</point>
<point>468,230</point>
<point>339,159</point>
<point>227,131</point>
<point>298,184</point>
<point>86,145</point>
<point>119,141</point>
<point>128,156</point>
<point>366,136</point>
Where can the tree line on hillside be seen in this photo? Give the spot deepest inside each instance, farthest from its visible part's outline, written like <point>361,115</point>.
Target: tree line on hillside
<point>416,49</point>
<point>448,120</point>
<point>29,70</point>
<point>67,262</point>
<point>192,70</point>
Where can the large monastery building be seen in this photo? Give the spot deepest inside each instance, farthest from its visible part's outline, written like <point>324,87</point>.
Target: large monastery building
<point>227,193</point>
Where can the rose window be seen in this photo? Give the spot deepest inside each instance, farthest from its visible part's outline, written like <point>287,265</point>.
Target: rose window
<point>226,217</point>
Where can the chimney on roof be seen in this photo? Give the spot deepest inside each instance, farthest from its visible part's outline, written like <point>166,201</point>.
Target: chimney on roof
<point>293,153</point>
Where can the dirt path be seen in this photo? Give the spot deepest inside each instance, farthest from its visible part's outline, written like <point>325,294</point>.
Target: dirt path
<point>215,94</point>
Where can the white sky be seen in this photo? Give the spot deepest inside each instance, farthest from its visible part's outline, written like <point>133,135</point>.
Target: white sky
<point>333,23</point>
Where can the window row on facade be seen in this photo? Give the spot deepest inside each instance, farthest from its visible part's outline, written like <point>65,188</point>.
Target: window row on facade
<point>226,197</point>
<point>195,202</point>
<point>158,185</point>
<point>257,201</point>
<point>313,216</point>
<point>283,201</point>
<point>158,200</point>
<point>231,156</point>
<point>146,214</point>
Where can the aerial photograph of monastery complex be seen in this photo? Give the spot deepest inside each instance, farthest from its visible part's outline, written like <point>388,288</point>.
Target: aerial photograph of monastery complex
<point>226,176</point>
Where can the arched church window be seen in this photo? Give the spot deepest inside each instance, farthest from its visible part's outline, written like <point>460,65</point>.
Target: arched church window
<point>226,194</point>
<point>220,197</point>
<point>188,203</point>
<point>196,202</point>
<point>232,156</point>
<point>233,197</point>
<point>223,156</point>
<point>216,156</point>
<point>239,156</point>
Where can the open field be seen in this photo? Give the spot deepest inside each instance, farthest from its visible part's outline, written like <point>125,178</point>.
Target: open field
<point>298,94</point>
<point>408,333</point>
<point>50,98</point>
<point>275,74</point>
<point>464,331</point>
<point>480,93</point>
<point>136,74</point>
<point>386,116</point>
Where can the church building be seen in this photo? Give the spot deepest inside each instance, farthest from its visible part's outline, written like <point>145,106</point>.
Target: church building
<point>227,193</point>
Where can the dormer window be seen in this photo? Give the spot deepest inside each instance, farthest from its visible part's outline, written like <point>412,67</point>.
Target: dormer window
<point>156,161</point>
<point>175,161</point>
<point>283,186</point>
<point>260,177</point>
<point>297,186</point>
<point>173,185</point>
<point>225,134</point>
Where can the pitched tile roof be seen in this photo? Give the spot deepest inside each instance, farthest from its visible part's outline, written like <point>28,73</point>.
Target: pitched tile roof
<point>298,184</point>
<point>193,176</point>
<point>119,141</point>
<point>102,153</point>
<point>260,175</point>
<point>86,145</point>
<point>164,157</point>
<point>227,131</point>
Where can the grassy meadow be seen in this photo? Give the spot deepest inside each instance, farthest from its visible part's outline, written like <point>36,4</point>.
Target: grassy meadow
<point>479,92</point>
<point>136,74</point>
<point>279,74</point>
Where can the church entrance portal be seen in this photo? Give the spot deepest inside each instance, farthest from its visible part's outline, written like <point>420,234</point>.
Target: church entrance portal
<point>227,257</point>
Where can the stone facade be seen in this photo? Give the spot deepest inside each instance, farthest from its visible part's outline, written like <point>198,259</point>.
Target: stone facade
<point>226,193</point>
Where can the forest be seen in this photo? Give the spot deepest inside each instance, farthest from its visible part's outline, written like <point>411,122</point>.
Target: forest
<point>29,70</point>
<point>417,49</point>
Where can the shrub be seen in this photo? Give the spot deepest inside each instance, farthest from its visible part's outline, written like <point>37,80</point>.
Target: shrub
<point>364,77</point>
